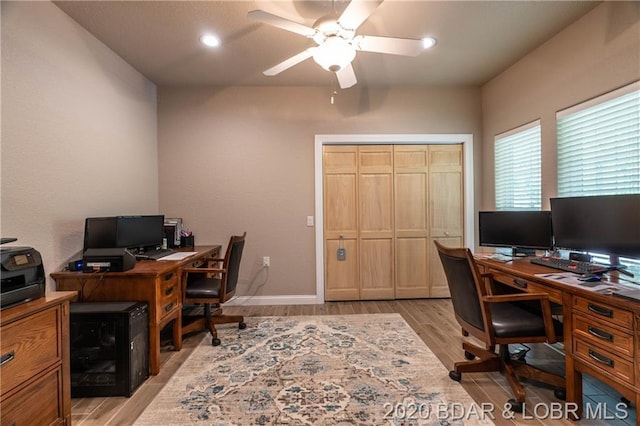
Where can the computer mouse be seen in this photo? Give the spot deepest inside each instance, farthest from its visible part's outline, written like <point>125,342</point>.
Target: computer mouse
<point>589,278</point>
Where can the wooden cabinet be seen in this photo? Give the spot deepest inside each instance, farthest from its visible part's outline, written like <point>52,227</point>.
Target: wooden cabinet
<point>34,341</point>
<point>384,205</point>
<point>603,340</point>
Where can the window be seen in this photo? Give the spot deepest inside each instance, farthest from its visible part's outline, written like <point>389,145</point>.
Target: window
<point>599,148</point>
<point>599,145</point>
<point>518,169</point>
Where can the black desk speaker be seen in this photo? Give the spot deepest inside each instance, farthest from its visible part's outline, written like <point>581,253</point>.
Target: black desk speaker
<point>109,348</point>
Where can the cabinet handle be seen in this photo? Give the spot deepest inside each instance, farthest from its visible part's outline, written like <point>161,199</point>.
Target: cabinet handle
<point>600,310</point>
<point>600,334</point>
<point>168,307</point>
<point>5,358</point>
<point>520,283</point>
<point>168,276</point>
<point>168,291</point>
<point>600,358</point>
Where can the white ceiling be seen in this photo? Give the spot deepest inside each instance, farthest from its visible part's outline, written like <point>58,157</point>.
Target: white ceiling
<point>476,39</point>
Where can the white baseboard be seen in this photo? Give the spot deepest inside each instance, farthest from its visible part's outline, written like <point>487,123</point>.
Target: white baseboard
<point>273,300</point>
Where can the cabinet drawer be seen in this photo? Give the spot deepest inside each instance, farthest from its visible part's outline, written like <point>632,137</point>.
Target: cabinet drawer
<point>611,363</point>
<point>604,312</point>
<point>170,288</point>
<point>29,346</point>
<point>528,286</point>
<point>37,404</point>
<point>170,294</point>
<point>611,338</point>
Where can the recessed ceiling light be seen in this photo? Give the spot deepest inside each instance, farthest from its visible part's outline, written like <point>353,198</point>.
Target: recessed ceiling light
<point>210,40</point>
<point>428,42</point>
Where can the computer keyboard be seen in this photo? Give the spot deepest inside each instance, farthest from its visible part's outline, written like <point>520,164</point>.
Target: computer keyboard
<point>569,265</point>
<point>154,254</point>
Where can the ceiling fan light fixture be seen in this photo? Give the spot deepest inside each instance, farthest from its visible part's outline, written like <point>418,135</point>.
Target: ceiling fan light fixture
<point>334,54</point>
<point>210,40</point>
<point>428,42</point>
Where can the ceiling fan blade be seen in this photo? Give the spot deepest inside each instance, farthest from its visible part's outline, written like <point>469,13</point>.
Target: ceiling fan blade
<point>280,22</point>
<point>346,77</point>
<point>288,63</point>
<point>392,45</point>
<point>357,12</point>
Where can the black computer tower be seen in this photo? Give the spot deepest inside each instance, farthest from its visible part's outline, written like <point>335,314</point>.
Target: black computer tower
<point>109,348</point>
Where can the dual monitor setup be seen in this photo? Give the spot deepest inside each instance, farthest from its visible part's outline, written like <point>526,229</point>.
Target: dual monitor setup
<point>113,243</point>
<point>608,225</point>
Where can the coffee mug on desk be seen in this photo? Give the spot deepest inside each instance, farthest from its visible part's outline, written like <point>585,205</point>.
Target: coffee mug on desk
<point>188,241</point>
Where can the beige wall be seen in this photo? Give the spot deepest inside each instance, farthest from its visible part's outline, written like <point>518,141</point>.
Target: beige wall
<point>78,132</point>
<point>598,53</point>
<point>241,159</point>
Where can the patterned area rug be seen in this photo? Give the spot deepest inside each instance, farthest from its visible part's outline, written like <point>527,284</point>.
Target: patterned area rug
<point>313,370</point>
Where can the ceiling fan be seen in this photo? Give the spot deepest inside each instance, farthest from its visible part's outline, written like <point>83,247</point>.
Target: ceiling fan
<point>337,41</point>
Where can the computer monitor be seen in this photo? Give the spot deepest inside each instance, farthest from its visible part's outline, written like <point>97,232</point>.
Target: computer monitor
<point>99,232</point>
<point>607,224</point>
<point>140,232</point>
<point>522,231</point>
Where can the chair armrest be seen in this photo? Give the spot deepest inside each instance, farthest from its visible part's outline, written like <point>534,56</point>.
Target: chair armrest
<point>499,298</point>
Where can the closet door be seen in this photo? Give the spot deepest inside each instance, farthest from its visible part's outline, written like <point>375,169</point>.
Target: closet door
<point>445,209</point>
<point>340,165</point>
<point>384,206</point>
<point>375,207</point>
<point>411,220</point>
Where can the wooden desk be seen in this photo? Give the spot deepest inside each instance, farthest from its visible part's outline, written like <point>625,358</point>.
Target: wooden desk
<point>601,336</point>
<point>155,282</point>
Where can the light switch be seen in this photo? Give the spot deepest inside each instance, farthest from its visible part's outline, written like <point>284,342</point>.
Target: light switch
<point>309,220</point>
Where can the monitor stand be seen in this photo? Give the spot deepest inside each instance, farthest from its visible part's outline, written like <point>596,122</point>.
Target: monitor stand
<point>522,252</point>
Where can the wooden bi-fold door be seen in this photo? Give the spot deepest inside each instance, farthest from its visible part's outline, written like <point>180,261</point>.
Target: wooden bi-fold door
<point>383,207</point>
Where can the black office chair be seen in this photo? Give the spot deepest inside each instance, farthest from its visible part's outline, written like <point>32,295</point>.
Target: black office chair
<point>497,320</point>
<point>212,287</point>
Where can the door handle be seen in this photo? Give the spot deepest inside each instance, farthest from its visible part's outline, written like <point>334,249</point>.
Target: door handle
<point>600,310</point>
<point>520,283</point>
<point>601,358</point>
<point>600,334</point>
<point>5,358</point>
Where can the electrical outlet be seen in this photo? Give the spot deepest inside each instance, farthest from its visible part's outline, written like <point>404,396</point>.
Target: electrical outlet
<point>266,261</point>
<point>309,220</point>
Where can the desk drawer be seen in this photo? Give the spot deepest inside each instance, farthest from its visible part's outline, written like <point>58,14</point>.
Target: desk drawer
<point>604,312</point>
<point>607,361</point>
<point>528,286</point>
<point>601,334</point>
<point>29,346</point>
<point>40,403</point>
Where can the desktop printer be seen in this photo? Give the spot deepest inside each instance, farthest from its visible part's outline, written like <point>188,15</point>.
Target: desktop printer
<point>22,276</point>
<point>107,260</point>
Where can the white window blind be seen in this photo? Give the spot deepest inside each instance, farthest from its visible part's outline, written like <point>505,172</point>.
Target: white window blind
<point>518,169</point>
<point>599,145</point>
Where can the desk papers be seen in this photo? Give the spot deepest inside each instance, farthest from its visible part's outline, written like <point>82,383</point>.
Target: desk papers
<point>179,255</point>
<point>569,278</point>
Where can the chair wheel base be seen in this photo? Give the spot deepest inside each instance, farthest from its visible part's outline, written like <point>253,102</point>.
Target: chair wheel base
<point>468,355</point>
<point>242,325</point>
<point>215,341</point>
<point>515,406</point>
<point>454,375</point>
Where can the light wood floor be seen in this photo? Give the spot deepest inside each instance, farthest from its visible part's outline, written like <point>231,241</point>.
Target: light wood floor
<point>432,320</point>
